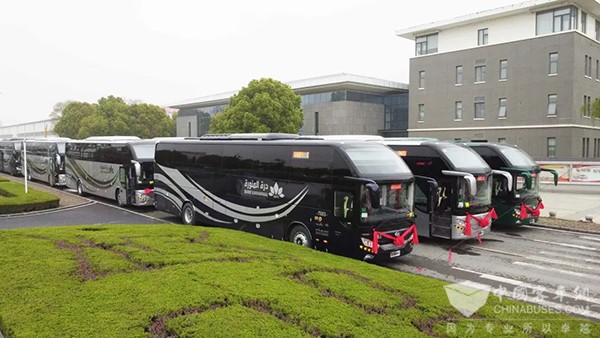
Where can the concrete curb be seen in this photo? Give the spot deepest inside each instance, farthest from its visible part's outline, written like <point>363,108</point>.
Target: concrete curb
<point>47,211</point>
<point>583,231</point>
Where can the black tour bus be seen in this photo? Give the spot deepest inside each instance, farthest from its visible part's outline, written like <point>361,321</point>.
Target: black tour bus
<point>521,203</point>
<point>46,160</point>
<point>10,155</point>
<point>350,198</point>
<point>112,167</point>
<point>463,208</point>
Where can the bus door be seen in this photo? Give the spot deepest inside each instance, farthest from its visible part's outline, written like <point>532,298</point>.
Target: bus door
<point>342,233</point>
<point>426,197</point>
<point>124,181</point>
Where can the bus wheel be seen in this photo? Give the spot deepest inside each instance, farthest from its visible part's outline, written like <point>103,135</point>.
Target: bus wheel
<point>300,236</point>
<point>80,188</point>
<point>188,215</point>
<point>118,198</point>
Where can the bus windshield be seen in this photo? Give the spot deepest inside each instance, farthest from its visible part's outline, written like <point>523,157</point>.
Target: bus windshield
<point>483,194</point>
<point>463,158</point>
<point>377,159</point>
<point>145,150</point>
<point>517,157</point>
<point>61,148</point>
<point>397,196</point>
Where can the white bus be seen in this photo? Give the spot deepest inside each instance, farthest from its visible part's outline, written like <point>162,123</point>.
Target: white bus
<point>119,169</point>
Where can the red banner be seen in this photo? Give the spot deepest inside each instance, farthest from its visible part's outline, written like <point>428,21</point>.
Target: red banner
<point>483,221</point>
<point>398,240</point>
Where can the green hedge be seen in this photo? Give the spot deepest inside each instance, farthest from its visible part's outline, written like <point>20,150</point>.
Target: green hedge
<point>14,200</point>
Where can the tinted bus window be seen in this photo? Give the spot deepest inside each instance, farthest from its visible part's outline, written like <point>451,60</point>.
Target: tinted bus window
<point>274,160</point>
<point>237,157</point>
<point>311,161</point>
<point>370,160</point>
<point>464,158</point>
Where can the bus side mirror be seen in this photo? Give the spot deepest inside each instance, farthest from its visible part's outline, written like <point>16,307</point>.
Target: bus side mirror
<point>554,174</point>
<point>374,195</point>
<point>58,160</point>
<point>138,169</point>
<point>528,180</point>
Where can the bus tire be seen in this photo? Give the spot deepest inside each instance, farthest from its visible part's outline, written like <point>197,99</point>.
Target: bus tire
<point>301,236</point>
<point>80,191</point>
<point>188,215</point>
<point>118,198</point>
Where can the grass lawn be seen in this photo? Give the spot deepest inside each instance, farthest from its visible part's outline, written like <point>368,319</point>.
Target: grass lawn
<point>167,280</point>
<point>13,198</point>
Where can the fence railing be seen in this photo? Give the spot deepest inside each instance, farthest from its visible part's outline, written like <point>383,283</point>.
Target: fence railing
<point>571,172</point>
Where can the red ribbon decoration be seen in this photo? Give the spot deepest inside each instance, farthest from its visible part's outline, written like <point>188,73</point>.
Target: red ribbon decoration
<point>148,191</point>
<point>398,240</point>
<point>483,221</point>
<point>535,212</point>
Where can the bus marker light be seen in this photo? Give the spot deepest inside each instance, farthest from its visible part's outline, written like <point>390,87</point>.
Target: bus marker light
<point>480,178</point>
<point>301,154</point>
<point>396,187</point>
<point>402,153</point>
<point>325,241</point>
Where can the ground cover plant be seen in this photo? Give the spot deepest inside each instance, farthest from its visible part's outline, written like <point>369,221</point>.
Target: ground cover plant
<point>13,198</point>
<point>184,281</point>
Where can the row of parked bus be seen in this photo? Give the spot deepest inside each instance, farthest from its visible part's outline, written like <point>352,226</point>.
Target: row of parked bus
<point>361,196</point>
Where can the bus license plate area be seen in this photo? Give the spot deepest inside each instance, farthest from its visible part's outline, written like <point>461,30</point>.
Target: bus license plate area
<point>396,253</point>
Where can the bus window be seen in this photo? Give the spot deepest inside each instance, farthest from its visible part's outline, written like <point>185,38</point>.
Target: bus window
<point>344,203</point>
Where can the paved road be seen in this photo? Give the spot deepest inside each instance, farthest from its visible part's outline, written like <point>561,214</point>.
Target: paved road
<point>551,268</point>
<point>93,212</point>
<point>574,202</point>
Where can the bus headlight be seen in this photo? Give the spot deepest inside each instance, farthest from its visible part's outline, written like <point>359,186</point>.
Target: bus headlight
<point>367,242</point>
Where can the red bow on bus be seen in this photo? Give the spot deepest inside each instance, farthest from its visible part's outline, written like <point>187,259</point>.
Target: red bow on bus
<point>483,221</point>
<point>398,240</point>
<point>535,212</point>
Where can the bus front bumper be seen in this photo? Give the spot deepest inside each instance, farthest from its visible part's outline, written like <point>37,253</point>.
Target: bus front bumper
<point>459,227</point>
<point>143,199</point>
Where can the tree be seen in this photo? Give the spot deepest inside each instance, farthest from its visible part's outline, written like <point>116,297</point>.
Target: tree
<point>265,106</point>
<point>113,116</point>
<point>74,113</point>
<point>58,109</point>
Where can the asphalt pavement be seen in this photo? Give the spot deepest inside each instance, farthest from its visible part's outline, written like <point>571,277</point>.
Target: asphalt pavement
<point>572,202</point>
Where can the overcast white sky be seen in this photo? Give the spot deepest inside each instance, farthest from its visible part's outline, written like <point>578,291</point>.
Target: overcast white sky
<point>164,52</point>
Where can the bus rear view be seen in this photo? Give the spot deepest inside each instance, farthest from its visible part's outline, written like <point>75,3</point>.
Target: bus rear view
<point>350,198</point>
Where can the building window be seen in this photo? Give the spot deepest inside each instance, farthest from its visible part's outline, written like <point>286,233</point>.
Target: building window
<point>502,108</point>
<point>583,22</point>
<point>597,30</point>
<point>587,106</point>
<point>551,147</point>
<point>587,66</point>
<point>422,79</point>
<point>316,123</point>
<point>585,147</point>
<point>552,105</point>
<point>458,110</point>
<point>421,117</point>
<point>553,64</point>
<point>597,69</point>
<point>427,44</point>
<point>482,37</point>
<point>458,79</point>
<point>556,20</point>
<point>479,107</point>
<point>501,139</point>
<point>503,69</point>
<point>480,73</point>
<point>597,147</point>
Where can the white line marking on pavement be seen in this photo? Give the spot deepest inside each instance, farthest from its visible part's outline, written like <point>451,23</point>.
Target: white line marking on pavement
<point>515,282</point>
<point>587,260</point>
<point>582,247</point>
<point>590,238</point>
<point>538,258</point>
<point>551,229</point>
<point>548,268</point>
